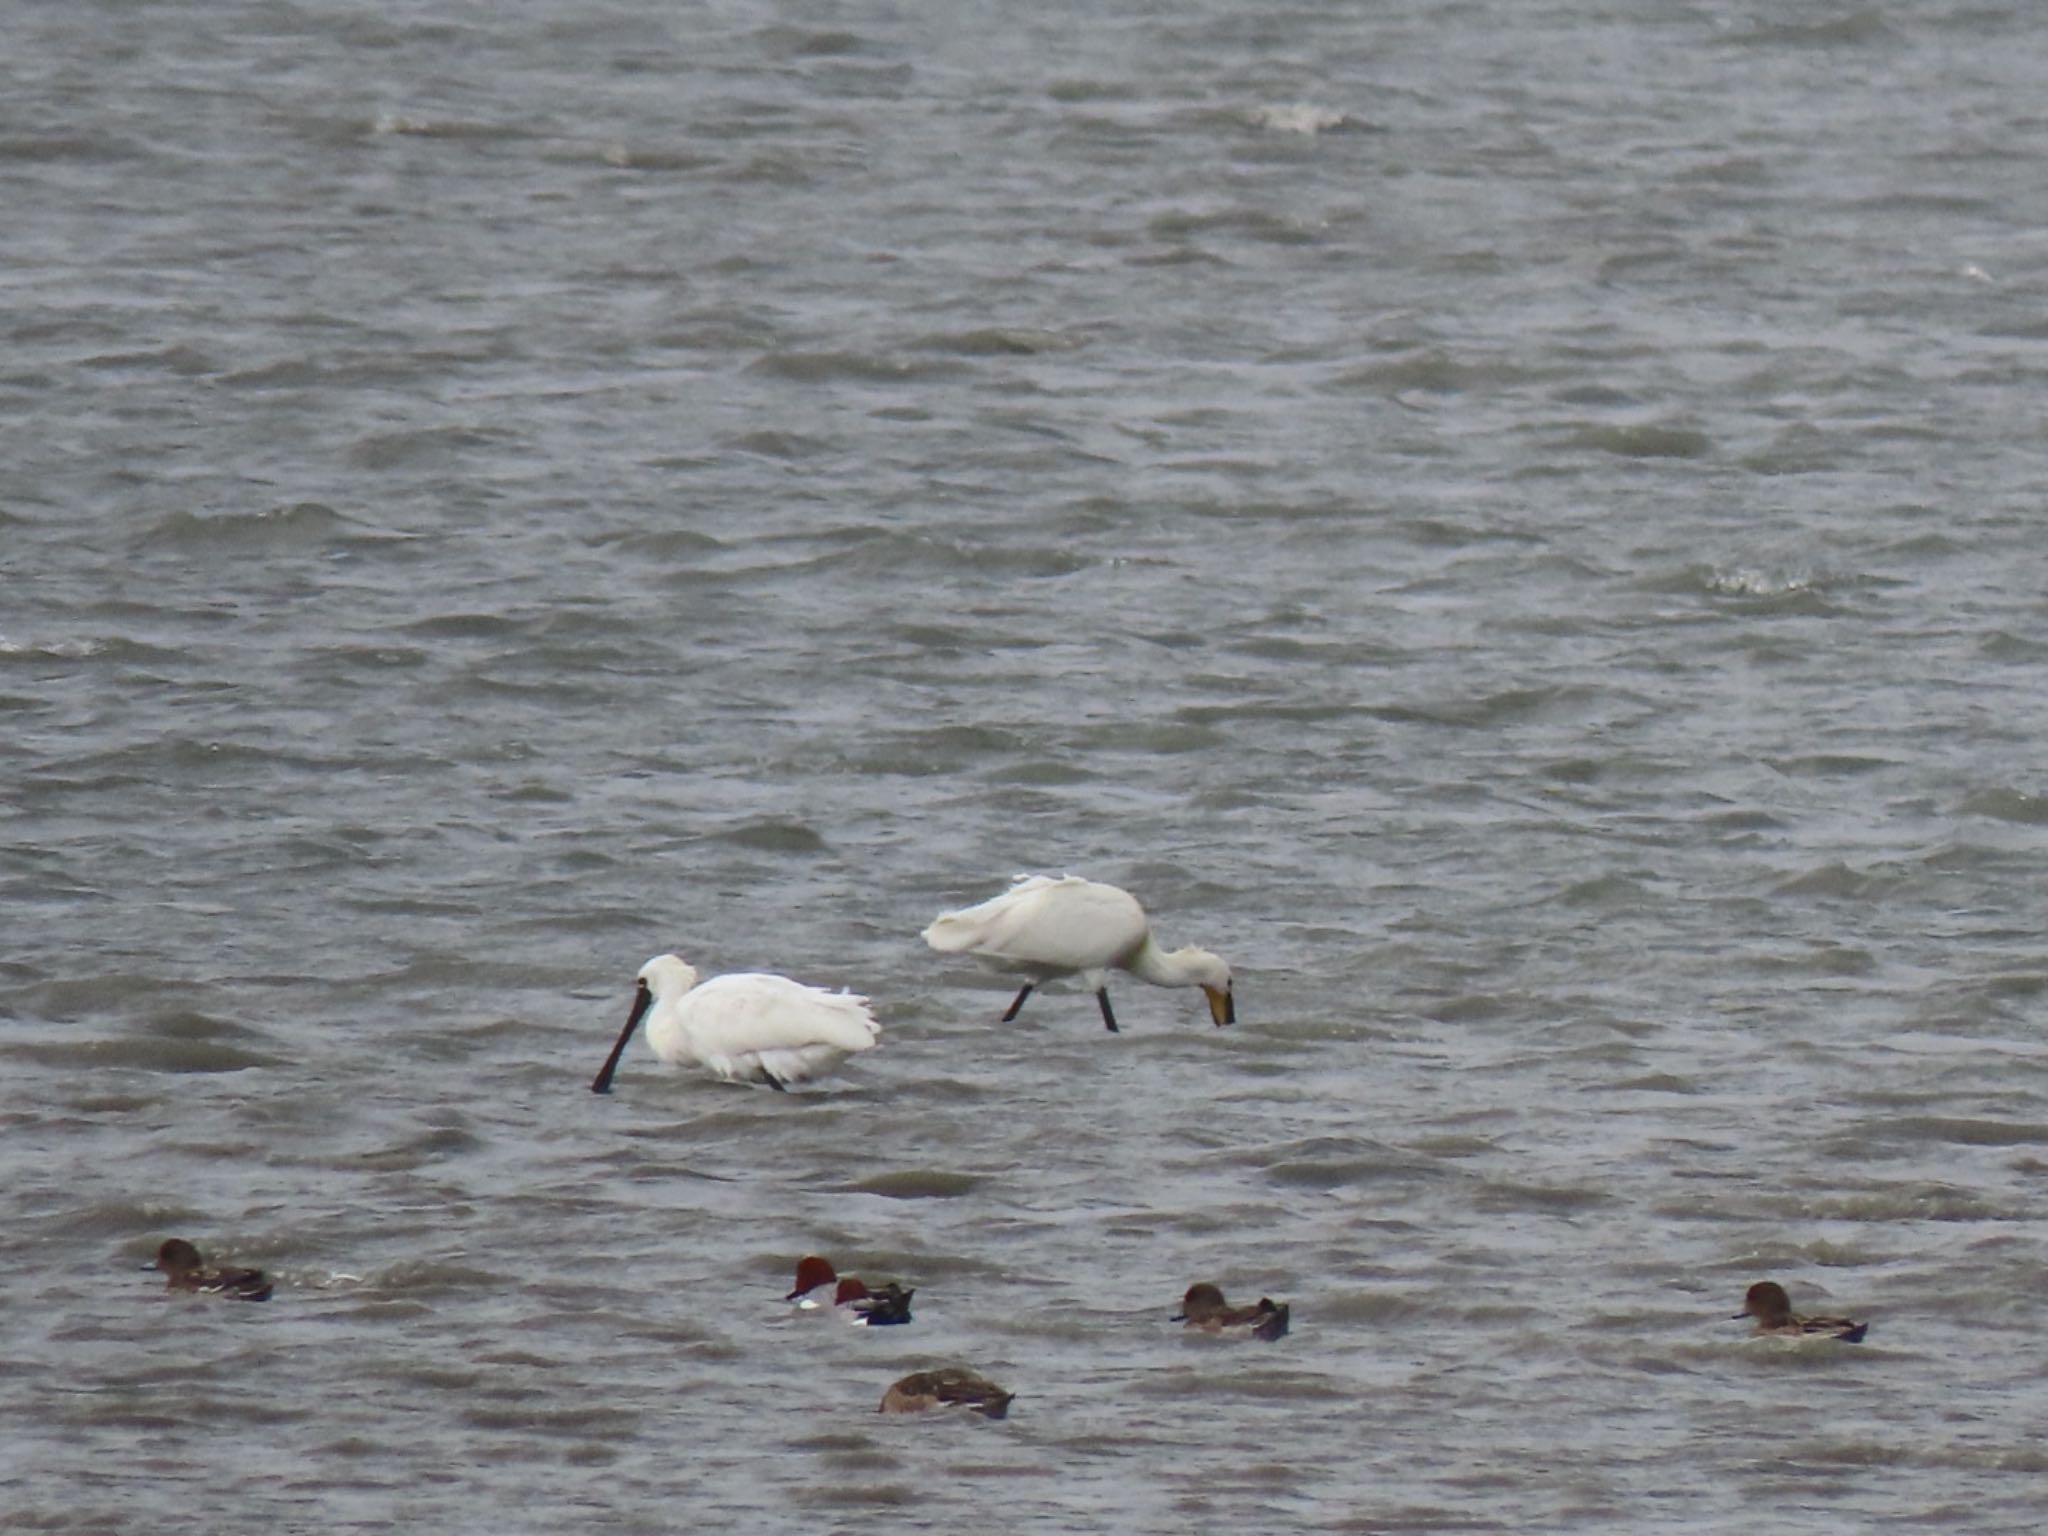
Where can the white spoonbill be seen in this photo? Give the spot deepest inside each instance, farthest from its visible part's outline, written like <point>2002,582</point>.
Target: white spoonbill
<point>747,1028</point>
<point>1044,929</point>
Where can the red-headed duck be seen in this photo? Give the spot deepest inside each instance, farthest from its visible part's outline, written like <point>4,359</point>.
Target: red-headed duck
<point>765,1030</point>
<point>1044,929</point>
<point>1767,1302</point>
<point>1203,1307</point>
<point>951,1386</point>
<point>854,1300</point>
<point>184,1270</point>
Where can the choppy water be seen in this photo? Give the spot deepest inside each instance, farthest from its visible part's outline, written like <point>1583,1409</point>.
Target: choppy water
<point>1520,526</point>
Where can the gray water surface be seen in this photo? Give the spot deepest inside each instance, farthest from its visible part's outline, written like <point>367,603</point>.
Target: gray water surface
<point>1517,525</point>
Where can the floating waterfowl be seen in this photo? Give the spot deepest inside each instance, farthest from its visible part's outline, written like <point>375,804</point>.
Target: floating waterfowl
<point>1203,1307</point>
<point>1767,1302</point>
<point>860,1304</point>
<point>185,1270</point>
<point>951,1386</point>
<point>1045,929</point>
<point>747,1028</point>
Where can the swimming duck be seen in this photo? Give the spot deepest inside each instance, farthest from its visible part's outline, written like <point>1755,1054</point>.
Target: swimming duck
<point>950,1386</point>
<point>184,1270</point>
<point>1203,1307</point>
<point>1767,1302</point>
<point>859,1304</point>
<point>1044,929</point>
<point>747,1028</point>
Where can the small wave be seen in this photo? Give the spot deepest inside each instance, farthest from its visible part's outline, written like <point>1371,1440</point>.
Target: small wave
<point>177,1057</point>
<point>682,546</point>
<point>1431,371</point>
<point>427,445</point>
<point>1906,1203</point>
<point>48,650</point>
<point>998,341</point>
<point>782,41</point>
<point>1247,223</point>
<point>1648,440</point>
<point>184,361</point>
<point>1265,1384</point>
<point>423,1277</point>
<point>767,443</point>
<point>420,1151</point>
<point>1609,890</point>
<point>2007,804</point>
<point>1339,1173</point>
<point>1958,1132</point>
<point>190,1024</point>
<point>1299,117</point>
<point>773,835</point>
<point>1818,959</point>
<point>918,1184</point>
<point>295,525</point>
<point>123,1218</point>
<point>854,367</point>
<point>1749,582</point>
<point>1829,765</point>
<point>1656,1082</point>
<point>1853,28</point>
<point>465,626</point>
<point>1831,879</point>
<point>406,125</point>
<point>1503,1195</point>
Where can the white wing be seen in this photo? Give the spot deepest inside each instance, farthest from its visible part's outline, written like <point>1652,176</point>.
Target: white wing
<point>746,1014</point>
<point>1065,924</point>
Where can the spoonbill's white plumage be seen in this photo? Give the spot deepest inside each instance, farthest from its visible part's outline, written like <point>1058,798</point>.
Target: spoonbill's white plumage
<point>747,1027</point>
<point>1044,929</point>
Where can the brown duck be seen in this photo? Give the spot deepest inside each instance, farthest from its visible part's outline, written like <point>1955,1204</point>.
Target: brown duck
<point>185,1270</point>
<point>1767,1302</point>
<point>950,1386</point>
<point>1204,1307</point>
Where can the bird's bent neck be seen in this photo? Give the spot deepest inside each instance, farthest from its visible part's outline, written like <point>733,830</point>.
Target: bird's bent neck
<point>1149,962</point>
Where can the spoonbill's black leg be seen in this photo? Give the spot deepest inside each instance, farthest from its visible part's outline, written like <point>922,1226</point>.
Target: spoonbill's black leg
<point>1019,1003</point>
<point>1108,1018</point>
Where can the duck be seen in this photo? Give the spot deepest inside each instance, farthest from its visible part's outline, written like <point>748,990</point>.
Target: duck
<point>1203,1307</point>
<point>1045,928</point>
<point>746,1027</point>
<point>1767,1302</point>
<point>852,1298</point>
<point>951,1386</point>
<point>185,1270</point>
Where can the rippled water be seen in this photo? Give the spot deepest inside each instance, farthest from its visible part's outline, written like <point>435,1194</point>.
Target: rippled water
<point>1516,525</point>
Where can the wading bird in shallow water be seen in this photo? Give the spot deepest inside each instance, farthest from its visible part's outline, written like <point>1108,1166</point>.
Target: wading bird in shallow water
<point>1044,929</point>
<point>950,1386</point>
<point>849,1295</point>
<point>1203,1307</point>
<point>1767,1302</point>
<point>746,1028</point>
<point>184,1270</point>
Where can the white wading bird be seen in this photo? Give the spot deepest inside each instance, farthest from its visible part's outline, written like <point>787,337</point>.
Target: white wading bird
<point>747,1028</point>
<point>1044,929</point>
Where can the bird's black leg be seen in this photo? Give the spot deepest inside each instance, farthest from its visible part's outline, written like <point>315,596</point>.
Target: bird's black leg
<point>1108,1018</point>
<point>1019,1002</point>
